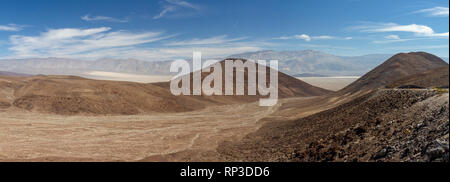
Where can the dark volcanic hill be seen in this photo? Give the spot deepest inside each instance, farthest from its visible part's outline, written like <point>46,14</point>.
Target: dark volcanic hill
<point>398,66</point>
<point>433,78</point>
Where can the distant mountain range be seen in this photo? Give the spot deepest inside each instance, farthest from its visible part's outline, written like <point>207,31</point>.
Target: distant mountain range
<point>318,63</point>
<point>60,66</point>
<point>297,63</point>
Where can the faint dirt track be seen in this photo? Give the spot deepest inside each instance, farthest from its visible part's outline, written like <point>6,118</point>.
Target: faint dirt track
<point>32,136</point>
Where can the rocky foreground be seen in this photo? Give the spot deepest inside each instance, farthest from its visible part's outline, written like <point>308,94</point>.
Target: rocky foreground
<point>414,131</point>
<point>385,125</point>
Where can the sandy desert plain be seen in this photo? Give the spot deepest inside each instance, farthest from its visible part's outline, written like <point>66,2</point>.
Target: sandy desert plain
<point>71,118</point>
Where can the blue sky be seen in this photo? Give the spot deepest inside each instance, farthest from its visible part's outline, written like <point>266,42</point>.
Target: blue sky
<point>169,29</point>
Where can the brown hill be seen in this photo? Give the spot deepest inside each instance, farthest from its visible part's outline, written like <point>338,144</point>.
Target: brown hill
<point>398,66</point>
<point>288,86</point>
<point>433,78</point>
<point>76,95</point>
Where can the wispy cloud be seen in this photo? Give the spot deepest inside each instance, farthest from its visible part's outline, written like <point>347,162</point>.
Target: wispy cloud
<point>166,10</point>
<point>417,30</point>
<point>391,39</point>
<point>172,6</point>
<point>436,11</point>
<point>11,28</point>
<point>183,4</point>
<point>95,43</point>
<point>309,38</point>
<point>323,37</point>
<point>222,39</point>
<point>302,36</point>
<point>103,18</point>
<point>72,42</point>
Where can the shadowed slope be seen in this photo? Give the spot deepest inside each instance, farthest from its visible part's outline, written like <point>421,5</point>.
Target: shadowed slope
<point>76,95</point>
<point>433,78</point>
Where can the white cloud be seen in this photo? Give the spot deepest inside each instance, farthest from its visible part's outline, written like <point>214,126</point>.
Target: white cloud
<point>396,38</point>
<point>323,37</point>
<point>302,36</point>
<point>171,6</point>
<point>103,18</point>
<point>166,10</point>
<point>309,38</point>
<point>222,39</point>
<point>183,4</point>
<point>436,11</point>
<point>392,37</point>
<point>11,28</point>
<point>418,30</point>
<point>102,42</point>
<point>72,42</point>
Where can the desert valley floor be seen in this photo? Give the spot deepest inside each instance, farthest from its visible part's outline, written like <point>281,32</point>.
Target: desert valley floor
<point>34,136</point>
<point>396,112</point>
